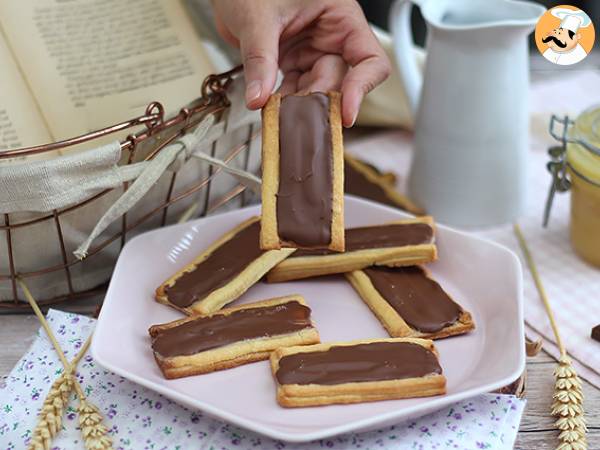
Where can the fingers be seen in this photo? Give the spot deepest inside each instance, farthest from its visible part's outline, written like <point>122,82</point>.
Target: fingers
<point>289,85</point>
<point>302,56</point>
<point>225,33</point>
<point>369,66</point>
<point>326,74</point>
<point>259,47</point>
<point>315,54</point>
<point>359,81</point>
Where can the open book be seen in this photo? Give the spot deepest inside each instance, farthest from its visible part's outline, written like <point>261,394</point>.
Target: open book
<point>70,67</point>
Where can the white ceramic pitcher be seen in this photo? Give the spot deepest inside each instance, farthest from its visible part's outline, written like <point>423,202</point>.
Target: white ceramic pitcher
<point>470,107</point>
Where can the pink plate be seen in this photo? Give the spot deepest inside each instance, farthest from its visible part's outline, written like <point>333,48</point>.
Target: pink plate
<point>482,276</point>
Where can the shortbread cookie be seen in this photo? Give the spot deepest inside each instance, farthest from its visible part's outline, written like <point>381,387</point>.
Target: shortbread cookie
<point>408,302</point>
<point>363,180</point>
<point>358,371</point>
<point>302,172</point>
<point>232,336</point>
<point>222,273</point>
<point>400,243</point>
<point>596,333</point>
<point>387,177</point>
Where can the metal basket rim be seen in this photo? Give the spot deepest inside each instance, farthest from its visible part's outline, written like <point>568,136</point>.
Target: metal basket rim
<point>213,94</point>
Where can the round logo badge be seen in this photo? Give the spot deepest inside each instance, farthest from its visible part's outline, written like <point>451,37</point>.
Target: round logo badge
<point>564,35</point>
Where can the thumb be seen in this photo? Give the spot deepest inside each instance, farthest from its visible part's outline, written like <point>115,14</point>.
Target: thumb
<point>259,45</point>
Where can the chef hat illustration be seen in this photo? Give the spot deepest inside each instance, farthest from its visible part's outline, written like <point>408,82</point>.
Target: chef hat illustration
<point>571,19</point>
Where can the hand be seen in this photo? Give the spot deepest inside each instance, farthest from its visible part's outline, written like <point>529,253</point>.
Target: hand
<point>319,45</point>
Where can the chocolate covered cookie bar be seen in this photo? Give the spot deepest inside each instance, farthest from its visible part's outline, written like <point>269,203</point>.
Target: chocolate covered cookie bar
<point>302,172</point>
<point>232,336</point>
<point>358,371</point>
<point>364,180</point>
<point>400,243</point>
<point>408,302</point>
<point>221,273</point>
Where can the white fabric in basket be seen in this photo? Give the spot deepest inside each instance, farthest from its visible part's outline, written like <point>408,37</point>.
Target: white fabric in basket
<point>52,184</point>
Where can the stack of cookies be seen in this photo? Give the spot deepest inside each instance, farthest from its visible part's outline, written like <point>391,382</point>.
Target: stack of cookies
<point>299,235</point>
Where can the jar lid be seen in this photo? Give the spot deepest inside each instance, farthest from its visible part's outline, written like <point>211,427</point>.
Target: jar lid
<point>584,154</point>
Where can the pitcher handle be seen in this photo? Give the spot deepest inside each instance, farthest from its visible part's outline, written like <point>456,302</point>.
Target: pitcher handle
<point>404,51</point>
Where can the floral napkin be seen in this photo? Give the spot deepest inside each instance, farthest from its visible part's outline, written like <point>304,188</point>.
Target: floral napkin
<point>142,419</point>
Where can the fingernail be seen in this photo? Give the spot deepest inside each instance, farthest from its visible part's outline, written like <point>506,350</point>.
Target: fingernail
<point>253,91</point>
<point>353,119</point>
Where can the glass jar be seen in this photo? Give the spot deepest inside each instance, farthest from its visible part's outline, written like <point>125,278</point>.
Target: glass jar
<point>583,165</point>
<point>576,166</point>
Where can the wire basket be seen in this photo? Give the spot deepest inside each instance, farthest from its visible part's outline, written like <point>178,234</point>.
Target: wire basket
<point>150,133</point>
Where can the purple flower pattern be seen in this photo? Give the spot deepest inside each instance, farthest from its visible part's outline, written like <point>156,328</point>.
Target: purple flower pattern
<point>138,418</point>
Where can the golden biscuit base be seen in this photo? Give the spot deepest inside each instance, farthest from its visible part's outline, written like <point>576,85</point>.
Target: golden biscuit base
<point>232,290</point>
<point>391,179</point>
<point>232,355</point>
<point>297,395</point>
<point>386,182</point>
<point>386,177</point>
<point>269,235</point>
<point>392,321</point>
<point>300,267</point>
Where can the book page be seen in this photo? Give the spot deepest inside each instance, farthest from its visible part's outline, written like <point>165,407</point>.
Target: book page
<point>21,124</point>
<point>92,64</point>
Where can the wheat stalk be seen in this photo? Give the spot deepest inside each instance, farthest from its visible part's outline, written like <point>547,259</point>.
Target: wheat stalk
<point>50,416</point>
<point>95,433</point>
<point>567,406</point>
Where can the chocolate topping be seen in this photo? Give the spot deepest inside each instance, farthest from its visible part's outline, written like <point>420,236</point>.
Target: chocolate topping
<point>377,361</point>
<point>418,299</point>
<point>356,183</point>
<point>379,236</point>
<point>305,194</point>
<point>205,333</point>
<point>596,333</point>
<point>222,265</point>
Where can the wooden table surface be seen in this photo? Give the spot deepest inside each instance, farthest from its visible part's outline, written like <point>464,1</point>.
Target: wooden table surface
<point>536,433</point>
